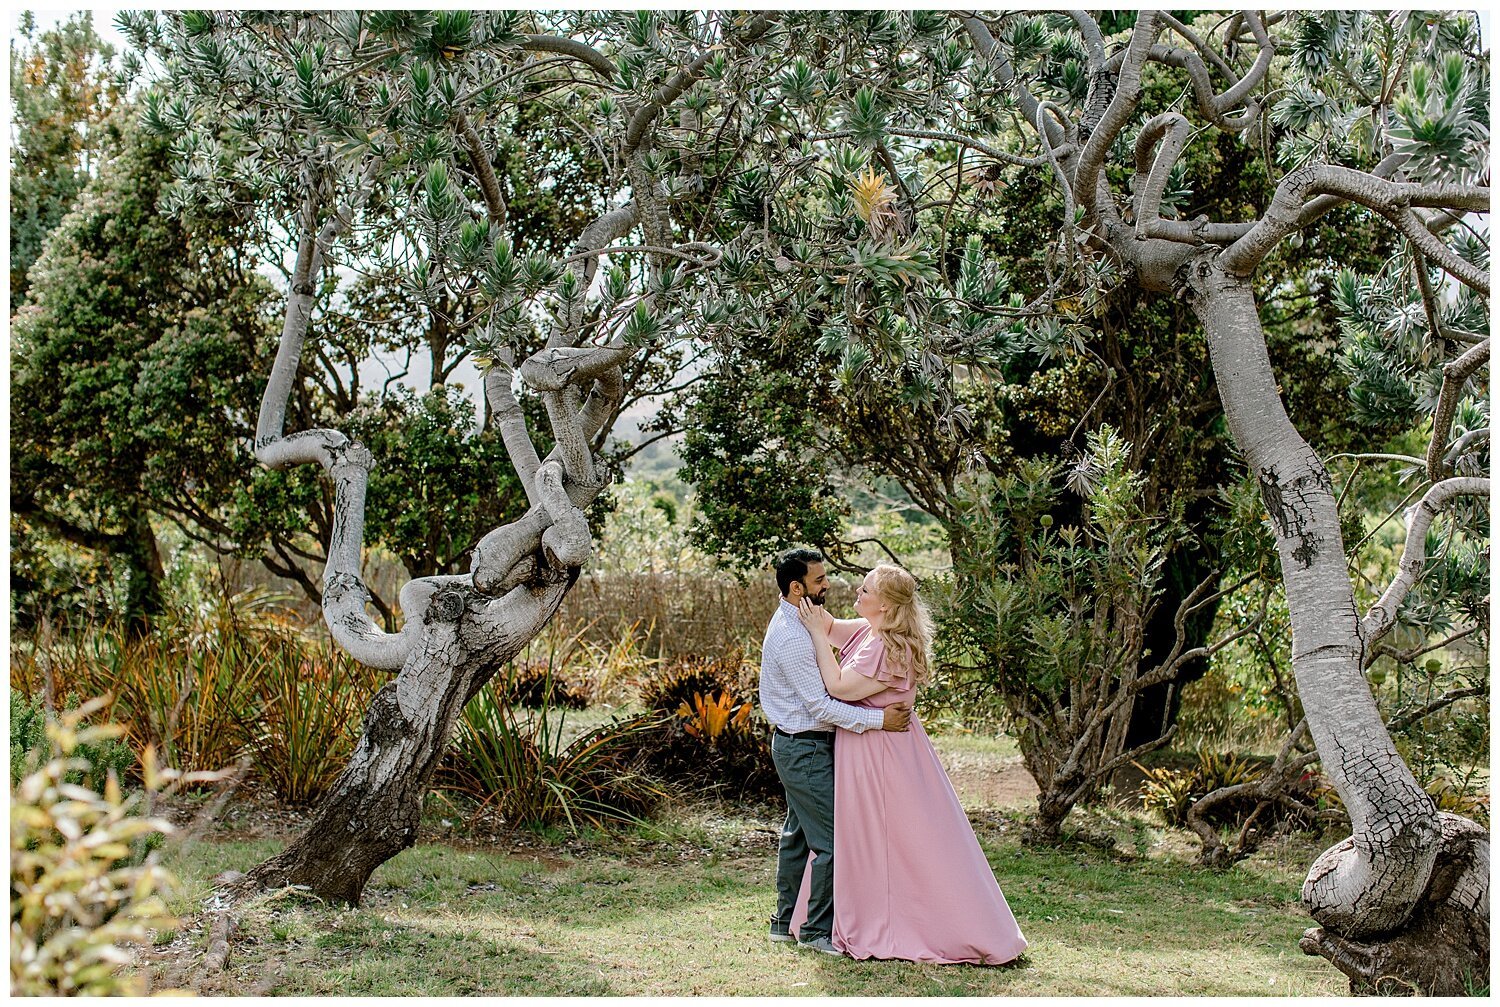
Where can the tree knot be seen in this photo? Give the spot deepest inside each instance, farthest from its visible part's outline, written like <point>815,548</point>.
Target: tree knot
<point>447,605</point>
<point>336,585</point>
<point>353,455</point>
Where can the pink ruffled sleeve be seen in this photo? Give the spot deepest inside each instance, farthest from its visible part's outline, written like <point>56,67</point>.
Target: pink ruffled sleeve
<point>865,654</point>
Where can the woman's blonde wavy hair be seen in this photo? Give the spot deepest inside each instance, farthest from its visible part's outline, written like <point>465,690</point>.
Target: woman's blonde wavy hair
<point>906,629</point>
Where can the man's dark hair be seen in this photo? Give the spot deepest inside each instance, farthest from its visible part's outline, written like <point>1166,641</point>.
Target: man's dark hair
<point>791,566</point>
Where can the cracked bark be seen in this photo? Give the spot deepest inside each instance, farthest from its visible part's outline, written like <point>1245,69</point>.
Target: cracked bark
<point>374,808</point>
<point>1381,896</point>
<point>459,630</point>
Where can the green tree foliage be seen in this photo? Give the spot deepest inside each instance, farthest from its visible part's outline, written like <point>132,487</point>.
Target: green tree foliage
<point>132,374</point>
<point>61,96</point>
<point>441,483</point>
<point>752,451</point>
<point>283,519</point>
<point>420,285</point>
<point>946,346</point>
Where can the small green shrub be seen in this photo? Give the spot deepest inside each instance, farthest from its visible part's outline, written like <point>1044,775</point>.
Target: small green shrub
<point>78,895</point>
<point>28,732</point>
<point>1171,792</point>
<point>664,690</point>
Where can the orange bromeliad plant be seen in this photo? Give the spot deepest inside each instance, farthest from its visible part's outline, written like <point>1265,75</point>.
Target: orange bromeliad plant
<point>709,718</point>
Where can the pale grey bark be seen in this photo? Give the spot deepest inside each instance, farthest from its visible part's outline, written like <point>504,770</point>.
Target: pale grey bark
<point>1456,374</point>
<point>1373,885</point>
<point>1392,200</point>
<point>1383,878</point>
<point>499,552</point>
<point>1157,150</point>
<point>1122,104</point>
<point>1382,615</point>
<point>1445,951</point>
<point>347,463</point>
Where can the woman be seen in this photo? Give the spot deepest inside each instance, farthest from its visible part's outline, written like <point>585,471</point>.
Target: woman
<point>909,878</point>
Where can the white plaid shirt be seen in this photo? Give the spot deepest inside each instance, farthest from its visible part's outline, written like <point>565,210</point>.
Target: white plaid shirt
<point>791,689</point>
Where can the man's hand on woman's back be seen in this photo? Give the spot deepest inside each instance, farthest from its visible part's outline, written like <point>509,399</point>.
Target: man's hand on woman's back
<point>897,717</point>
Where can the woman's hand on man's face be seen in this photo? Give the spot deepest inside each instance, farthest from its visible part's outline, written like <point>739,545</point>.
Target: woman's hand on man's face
<point>816,618</point>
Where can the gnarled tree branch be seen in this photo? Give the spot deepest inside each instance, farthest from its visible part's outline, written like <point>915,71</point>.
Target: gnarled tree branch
<point>1382,615</point>
<point>347,462</point>
<point>1167,135</point>
<point>583,53</point>
<point>1392,200</point>
<point>1456,374</point>
<point>1122,104</point>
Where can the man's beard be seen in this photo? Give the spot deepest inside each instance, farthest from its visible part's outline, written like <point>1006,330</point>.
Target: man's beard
<point>818,599</point>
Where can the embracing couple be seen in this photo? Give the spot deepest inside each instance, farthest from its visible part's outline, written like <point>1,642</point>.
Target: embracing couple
<point>877,857</point>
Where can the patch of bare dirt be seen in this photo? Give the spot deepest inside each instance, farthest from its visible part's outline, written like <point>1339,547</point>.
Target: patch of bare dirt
<point>988,781</point>
<point>249,813</point>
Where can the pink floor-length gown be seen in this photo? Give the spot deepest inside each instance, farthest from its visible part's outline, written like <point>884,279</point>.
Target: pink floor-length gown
<point>909,878</point>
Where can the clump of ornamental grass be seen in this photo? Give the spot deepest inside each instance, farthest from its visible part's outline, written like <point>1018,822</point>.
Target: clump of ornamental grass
<point>307,719</point>
<point>527,768</point>
<point>184,688</point>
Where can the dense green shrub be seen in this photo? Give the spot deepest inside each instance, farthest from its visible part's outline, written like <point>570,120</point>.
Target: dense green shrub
<point>96,758</point>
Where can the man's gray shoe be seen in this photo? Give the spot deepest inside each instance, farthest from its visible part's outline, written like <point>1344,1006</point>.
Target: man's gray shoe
<point>822,944</point>
<point>776,938</point>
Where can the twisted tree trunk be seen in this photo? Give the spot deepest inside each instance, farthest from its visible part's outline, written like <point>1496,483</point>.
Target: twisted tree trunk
<point>373,810</point>
<point>1385,909</point>
<point>459,630</point>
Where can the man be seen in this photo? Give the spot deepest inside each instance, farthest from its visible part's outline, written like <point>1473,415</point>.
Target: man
<point>803,716</point>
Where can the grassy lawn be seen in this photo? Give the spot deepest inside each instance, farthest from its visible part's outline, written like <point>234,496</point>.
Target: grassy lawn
<point>682,911</point>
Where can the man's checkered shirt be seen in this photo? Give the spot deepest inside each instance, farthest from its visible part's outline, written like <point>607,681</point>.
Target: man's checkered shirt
<point>791,690</point>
